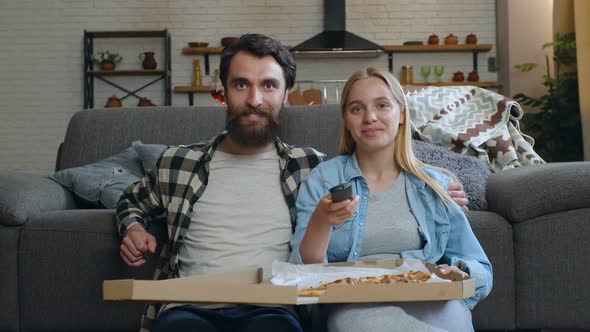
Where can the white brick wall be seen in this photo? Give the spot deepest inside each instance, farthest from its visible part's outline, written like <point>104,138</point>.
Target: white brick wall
<point>41,56</point>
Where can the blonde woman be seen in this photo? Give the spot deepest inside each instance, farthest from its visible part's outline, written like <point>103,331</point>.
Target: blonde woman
<point>400,208</point>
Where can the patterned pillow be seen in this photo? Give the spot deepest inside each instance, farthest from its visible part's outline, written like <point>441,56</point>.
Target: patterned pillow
<point>102,183</point>
<point>471,171</point>
<point>149,153</point>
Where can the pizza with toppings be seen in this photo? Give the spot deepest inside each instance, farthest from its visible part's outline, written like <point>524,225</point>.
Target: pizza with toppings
<point>410,277</point>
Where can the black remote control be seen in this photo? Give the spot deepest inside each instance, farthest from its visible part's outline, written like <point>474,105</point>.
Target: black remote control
<point>341,192</point>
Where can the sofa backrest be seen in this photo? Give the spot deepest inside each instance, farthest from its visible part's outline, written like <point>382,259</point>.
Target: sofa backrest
<point>93,135</point>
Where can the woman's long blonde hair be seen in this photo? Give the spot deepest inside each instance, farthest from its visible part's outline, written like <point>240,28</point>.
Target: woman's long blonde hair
<point>404,154</point>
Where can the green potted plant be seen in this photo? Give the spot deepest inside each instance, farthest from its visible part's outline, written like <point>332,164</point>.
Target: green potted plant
<point>107,60</point>
<point>556,126</point>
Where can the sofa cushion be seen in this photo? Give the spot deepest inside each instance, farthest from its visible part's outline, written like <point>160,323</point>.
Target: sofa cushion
<point>552,256</point>
<point>472,172</point>
<point>148,153</point>
<point>525,193</point>
<point>102,183</point>
<point>64,257</point>
<point>9,281</point>
<point>25,195</point>
<point>96,135</point>
<point>496,312</point>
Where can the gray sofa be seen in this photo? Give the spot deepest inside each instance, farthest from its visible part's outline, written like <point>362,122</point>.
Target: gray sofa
<point>55,253</point>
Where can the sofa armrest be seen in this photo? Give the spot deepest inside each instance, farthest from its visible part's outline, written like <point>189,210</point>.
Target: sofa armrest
<point>24,195</point>
<point>523,193</point>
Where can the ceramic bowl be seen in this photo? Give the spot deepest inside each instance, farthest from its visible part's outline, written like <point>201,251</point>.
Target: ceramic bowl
<point>197,44</point>
<point>228,40</point>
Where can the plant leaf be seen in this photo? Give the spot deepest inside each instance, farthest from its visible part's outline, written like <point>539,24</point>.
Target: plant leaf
<point>524,67</point>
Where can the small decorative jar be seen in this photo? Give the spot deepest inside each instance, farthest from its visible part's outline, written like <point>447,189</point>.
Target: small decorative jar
<point>458,77</point>
<point>451,40</point>
<point>433,40</point>
<point>144,102</point>
<point>471,39</point>
<point>473,76</point>
<point>113,102</point>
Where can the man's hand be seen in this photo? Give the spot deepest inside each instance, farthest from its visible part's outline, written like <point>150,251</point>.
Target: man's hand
<point>457,194</point>
<point>136,243</point>
<point>334,214</point>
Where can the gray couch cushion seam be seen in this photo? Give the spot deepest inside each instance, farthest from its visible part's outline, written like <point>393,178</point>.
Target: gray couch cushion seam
<point>18,296</point>
<point>582,211</point>
<point>42,230</point>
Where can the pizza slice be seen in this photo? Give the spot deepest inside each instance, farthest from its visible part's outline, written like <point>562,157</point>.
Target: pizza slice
<point>313,292</point>
<point>417,276</point>
<point>410,277</point>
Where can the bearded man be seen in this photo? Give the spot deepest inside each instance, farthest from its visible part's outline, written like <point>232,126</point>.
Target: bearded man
<point>229,202</point>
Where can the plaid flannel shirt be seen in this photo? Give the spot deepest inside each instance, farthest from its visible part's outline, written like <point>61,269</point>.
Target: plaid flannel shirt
<point>178,181</point>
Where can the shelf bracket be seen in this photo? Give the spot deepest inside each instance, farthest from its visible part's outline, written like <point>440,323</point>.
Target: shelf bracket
<point>475,53</point>
<point>129,93</point>
<point>206,56</point>
<point>390,59</point>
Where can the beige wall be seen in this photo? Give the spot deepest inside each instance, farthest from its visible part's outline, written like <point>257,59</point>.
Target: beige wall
<point>523,27</point>
<point>582,16</point>
<point>529,27</point>
<point>41,56</point>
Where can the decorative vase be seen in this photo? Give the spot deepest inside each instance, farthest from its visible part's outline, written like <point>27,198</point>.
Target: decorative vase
<point>107,65</point>
<point>144,102</point>
<point>473,76</point>
<point>148,60</point>
<point>433,40</point>
<point>471,39</point>
<point>458,77</point>
<point>451,39</point>
<point>113,102</point>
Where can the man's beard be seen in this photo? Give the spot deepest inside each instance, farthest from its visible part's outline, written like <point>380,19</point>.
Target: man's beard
<point>253,135</point>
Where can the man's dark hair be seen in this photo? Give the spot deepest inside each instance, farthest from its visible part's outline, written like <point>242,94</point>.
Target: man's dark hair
<point>258,45</point>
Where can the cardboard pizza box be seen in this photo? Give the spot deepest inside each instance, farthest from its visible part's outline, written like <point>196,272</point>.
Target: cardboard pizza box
<point>247,286</point>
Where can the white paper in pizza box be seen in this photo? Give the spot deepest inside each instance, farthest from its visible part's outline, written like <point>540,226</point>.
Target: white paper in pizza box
<point>310,276</point>
<point>254,286</point>
<point>314,275</point>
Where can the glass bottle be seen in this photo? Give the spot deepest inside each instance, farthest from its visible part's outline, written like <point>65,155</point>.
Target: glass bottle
<point>407,74</point>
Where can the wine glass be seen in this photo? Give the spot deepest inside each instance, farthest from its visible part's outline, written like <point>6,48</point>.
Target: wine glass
<point>438,71</point>
<point>425,70</point>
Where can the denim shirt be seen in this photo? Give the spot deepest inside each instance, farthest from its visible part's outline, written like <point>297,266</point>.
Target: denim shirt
<point>443,226</point>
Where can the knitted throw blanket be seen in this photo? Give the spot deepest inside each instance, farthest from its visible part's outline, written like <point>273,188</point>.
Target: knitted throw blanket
<point>471,120</point>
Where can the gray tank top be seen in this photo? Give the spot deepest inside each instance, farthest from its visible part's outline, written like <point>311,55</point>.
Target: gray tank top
<point>390,227</point>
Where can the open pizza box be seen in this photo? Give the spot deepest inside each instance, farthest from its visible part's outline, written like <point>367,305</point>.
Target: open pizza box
<point>250,286</point>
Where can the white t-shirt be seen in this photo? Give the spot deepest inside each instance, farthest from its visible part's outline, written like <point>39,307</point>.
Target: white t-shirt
<point>241,220</point>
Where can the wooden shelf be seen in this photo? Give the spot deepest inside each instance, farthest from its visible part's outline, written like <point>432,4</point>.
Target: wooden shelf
<point>438,48</point>
<point>127,34</point>
<point>202,50</point>
<point>151,76</point>
<point>491,84</point>
<point>126,72</point>
<point>191,88</point>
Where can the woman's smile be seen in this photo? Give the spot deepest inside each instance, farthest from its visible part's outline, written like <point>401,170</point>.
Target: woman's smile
<point>371,132</point>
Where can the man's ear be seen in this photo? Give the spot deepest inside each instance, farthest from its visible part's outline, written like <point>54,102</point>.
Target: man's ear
<point>286,96</point>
